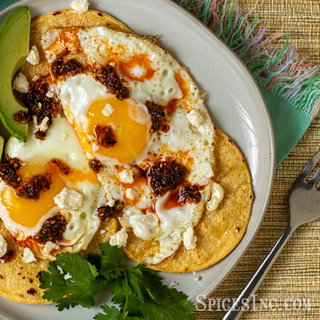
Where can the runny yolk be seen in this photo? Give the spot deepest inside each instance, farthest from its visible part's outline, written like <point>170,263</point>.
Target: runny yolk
<point>140,60</point>
<point>131,136</point>
<point>28,212</point>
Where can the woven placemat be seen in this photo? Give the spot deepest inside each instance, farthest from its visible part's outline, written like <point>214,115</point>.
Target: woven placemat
<point>291,290</point>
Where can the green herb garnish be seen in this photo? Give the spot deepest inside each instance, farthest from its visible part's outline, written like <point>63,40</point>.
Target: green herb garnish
<point>139,292</point>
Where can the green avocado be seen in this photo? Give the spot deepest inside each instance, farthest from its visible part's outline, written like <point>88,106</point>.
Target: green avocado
<point>1,146</point>
<point>14,49</point>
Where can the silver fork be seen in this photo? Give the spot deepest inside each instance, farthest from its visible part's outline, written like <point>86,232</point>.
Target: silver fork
<point>303,207</point>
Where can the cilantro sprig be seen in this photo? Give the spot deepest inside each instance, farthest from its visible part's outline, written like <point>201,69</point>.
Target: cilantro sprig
<point>138,291</point>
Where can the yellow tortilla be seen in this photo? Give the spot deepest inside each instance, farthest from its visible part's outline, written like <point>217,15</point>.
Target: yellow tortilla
<point>219,231</point>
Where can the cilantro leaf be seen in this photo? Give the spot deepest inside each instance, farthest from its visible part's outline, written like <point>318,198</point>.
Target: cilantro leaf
<point>152,283</point>
<point>124,292</point>
<point>55,282</point>
<point>138,291</point>
<point>151,310</point>
<point>84,284</point>
<point>112,313</point>
<point>111,261</point>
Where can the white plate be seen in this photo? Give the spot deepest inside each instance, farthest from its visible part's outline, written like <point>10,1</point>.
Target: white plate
<point>235,104</point>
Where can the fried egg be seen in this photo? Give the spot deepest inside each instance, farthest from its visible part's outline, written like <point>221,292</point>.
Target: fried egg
<point>157,153</point>
<point>73,195</point>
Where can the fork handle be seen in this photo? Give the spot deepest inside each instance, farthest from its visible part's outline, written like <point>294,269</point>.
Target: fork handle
<point>236,309</point>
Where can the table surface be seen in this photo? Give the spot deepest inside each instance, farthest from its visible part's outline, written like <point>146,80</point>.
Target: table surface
<point>291,290</point>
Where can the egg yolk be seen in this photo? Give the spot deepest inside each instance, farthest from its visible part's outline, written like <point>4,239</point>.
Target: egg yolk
<point>129,124</point>
<point>28,212</point>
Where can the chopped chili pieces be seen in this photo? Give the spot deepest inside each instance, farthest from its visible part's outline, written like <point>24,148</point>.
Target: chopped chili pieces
<point>71,68</point>
<point>52,229</point>
<point>166,175</point>
<point>158,115</point>
<point>22,116</point>
<point>109,78</point>
<point>95,165</point>
<point>32,187</point>
<point>40,135</point>
<point>9,171</point>
<point>189,193</point>
<point>104,136</point>
<point>106,212</point>
<point>40,106</point>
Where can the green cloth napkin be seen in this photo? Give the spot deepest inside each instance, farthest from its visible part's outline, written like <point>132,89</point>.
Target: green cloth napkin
<point>5,3</point>
<point>291,96</point>
<point>289,123</point>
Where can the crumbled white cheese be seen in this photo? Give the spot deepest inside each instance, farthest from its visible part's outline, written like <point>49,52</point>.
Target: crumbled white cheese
<point>2,261</point>
<point>3,246</point>
<point>60,269</point>
<point>195,118</point>
<point>95,147</point>
<point>102,231</point>
<point>69,200</point>
<point>35,119</point>
<point>119,239</point>
<point>130,193</point>
<point>189,239</point>
<point>204,170</point>
<point>49,246</point>
<point>49,94</point>
<point>111,202</point>
<point>67,276</point>
<point>21,83</point>
<point>216,197</point>
<point>173,284</point>
<point>33,57</point>
<point>28,256</point>
<point>108,110</point>
<point>126,176</point>
<point>80,6</point>
<point>43,125</point>
<point>196,276</point>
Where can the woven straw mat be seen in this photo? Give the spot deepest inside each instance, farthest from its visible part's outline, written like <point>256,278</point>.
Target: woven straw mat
<point>293,281</point>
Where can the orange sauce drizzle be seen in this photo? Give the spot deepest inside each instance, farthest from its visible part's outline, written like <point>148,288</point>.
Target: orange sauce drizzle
<point>68,39</point>
<point>141,60</point>
<point>183,84</point>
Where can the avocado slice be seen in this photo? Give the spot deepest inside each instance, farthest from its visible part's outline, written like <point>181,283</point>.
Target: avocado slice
<point>14,49</point>
<point>1,146</point>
